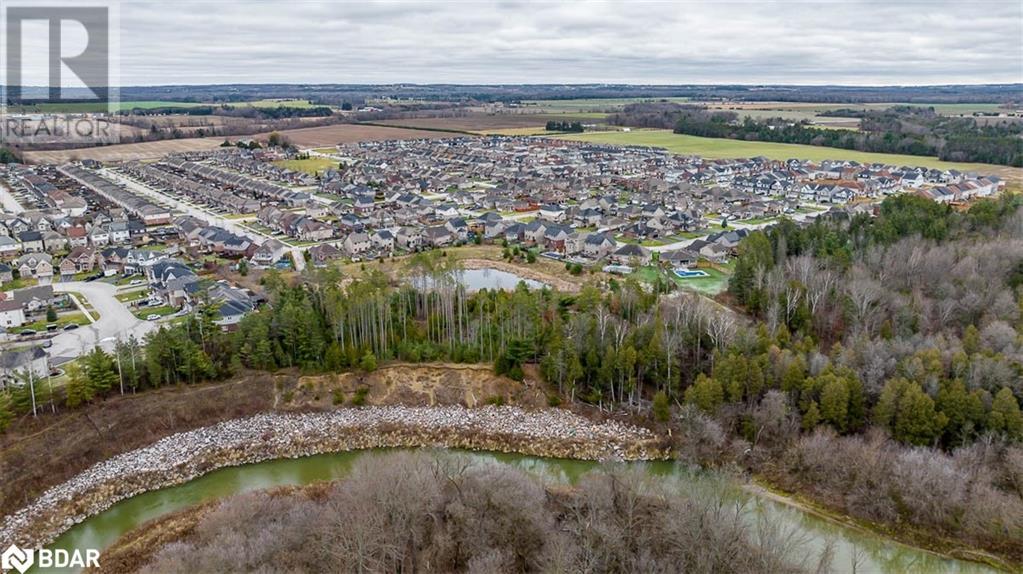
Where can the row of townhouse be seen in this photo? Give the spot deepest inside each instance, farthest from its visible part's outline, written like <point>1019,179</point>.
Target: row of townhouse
<point>148,212</point>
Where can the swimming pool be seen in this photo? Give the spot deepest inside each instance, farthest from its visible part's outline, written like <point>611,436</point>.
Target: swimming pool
<point>684,273</point>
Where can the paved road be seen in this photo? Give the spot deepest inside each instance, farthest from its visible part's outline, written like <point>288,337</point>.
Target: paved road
<point>115,321</point>
<point>232,225</point>
<point>10,204</point>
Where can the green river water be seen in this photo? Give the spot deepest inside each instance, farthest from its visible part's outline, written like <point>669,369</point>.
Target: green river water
<point>871,553</point>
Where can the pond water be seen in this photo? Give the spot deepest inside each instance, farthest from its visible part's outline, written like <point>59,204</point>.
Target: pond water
<point>869,553</point>
<point>486,278</point>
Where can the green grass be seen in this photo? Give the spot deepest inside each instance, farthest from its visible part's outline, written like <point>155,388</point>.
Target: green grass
<point>715,282</point>
<point>162,310</point>
<point>312,165</point>
<point>720,148</point>
<point>20,283</point>
<point>77,318</point>
<point>758,220</point>
<point>132,295</point>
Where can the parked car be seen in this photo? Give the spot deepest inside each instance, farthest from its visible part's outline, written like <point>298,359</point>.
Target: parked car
<point>70,326</point>
<point>152,317</point>
<point>28,332</point>
<point>47,344</point>
<point>51,327</point>
<point>136,282</point>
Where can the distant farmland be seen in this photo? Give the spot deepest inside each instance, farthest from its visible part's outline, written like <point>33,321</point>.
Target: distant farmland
<point>720,148</point>
<point>323,136</point>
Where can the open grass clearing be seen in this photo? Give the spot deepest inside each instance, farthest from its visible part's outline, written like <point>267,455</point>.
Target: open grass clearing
<point>312,165</point>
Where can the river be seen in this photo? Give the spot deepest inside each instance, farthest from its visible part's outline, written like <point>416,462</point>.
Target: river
<point>871,553</point>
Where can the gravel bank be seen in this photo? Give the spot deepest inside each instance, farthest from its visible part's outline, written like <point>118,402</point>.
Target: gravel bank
<point>184,456</point>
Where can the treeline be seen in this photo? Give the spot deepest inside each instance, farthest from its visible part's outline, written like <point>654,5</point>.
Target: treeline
<point>569,127</point>
<point>898,130</point>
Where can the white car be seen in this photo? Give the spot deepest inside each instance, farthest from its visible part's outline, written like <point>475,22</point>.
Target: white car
<point>136,282</point>
<point>152,317</point>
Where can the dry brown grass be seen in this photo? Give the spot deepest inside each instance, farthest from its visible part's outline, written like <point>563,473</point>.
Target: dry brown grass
<point>487,122</point>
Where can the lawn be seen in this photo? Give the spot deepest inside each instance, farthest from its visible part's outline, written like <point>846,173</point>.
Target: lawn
<point>719,148</point>
<point>20,283</point>
<point>76,317</point>
<point>132,295</point>
<point>162,310</point>
<point>714,283</point>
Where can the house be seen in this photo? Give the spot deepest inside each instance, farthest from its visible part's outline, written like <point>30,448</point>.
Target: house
<point>38,265</point>
<point>551,212</point>
<point>77,236</point>
<point>172,281</point>
<point>437,236</point>
<point>34,299</point>
<point>598,245</point>
<point>81,259</point>
<point>383,239</point>
<point>323,253</point>
<point>54,242</point>
<point>99,236</point>
<point>11,314</point>
<point>8,247</point>
<point>15,366</point>
<point>268,253</point>
<point>232,303</point>
<point>31,241</point>
<point>357,243</point>
<point>632,255</point>
<point>6,273</point>
<point>119,232</point>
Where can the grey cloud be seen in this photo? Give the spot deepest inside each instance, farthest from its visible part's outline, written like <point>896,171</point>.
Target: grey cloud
<point>221,41</point>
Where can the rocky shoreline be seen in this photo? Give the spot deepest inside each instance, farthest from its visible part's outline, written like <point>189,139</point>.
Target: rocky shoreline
<point>182,457</point>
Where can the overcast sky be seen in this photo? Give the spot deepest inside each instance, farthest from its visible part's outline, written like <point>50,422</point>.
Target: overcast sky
<point>891,42</point>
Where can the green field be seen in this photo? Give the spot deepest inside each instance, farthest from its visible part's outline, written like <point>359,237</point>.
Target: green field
<point>312,165</point>
<point>720,148</point>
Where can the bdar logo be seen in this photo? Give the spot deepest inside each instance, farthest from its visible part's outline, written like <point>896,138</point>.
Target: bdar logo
<point>15,558</point>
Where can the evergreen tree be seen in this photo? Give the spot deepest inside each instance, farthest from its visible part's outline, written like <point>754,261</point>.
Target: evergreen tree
<point>834,405</point>
<point>706,393</point>
<point>1005,415</point>
<point>6,411</point>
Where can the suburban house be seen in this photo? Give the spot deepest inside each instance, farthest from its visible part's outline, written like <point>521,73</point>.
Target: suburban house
<point>172,281</point>
<point>268,253</point>
<point>38,265</point>
<point>16,366</point>
<point>11,314</point>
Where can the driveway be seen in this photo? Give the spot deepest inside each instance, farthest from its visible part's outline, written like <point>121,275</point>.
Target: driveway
<point>115,321</point>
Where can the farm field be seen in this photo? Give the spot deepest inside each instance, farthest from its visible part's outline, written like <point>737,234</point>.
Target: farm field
<point>314,137</point>
<point>124,152</point>
<point>720,148</point>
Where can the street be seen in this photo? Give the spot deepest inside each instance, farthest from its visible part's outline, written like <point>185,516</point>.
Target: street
<point>115,321</point>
